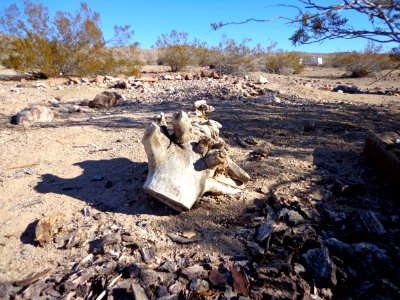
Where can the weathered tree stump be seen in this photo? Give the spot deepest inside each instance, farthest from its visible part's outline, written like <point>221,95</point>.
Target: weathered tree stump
<point>191,161</point>
<point>383,150</point>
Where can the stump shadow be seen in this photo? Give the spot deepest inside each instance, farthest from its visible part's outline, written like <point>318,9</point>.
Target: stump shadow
<point>28,236</point>
<point>113,185</point>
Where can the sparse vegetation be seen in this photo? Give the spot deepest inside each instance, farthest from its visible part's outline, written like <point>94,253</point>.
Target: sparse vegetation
<point>236,58</point>
<point>62,44</point>
<point>283,62</point>
<point>175,50</point>
<point>229,57</point>
<point>361,64</point>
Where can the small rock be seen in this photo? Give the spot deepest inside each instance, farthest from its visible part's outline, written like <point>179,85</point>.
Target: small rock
<point>150,277</point>
<point>167,77</point>
<point>25,252</point>
<point>176,288</point>
<point>372,223</point>
<point>86,212</point>
<point>298,268</point>
<point>138,292</point>
<point>29,171</point>
<point>161,291</point>
<point>97,178</point>
<point>189,234</point>
<point>265,230</point>
<point>262,80</point>
<point>147,254</point>
<point>295,218</point>
<point>217,278</point>
<point>199,285</point>
<point>320,267</point>
<point>195,272</point>
<point>108,184</point>
<point>167,266</point>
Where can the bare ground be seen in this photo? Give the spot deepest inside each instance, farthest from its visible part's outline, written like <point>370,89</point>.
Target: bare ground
<point>95,161</point>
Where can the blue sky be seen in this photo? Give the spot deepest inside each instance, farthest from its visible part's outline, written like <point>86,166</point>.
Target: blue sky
<point>150,18</point>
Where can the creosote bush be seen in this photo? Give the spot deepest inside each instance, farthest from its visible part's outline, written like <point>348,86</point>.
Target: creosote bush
<point>235,58</point>
<point>285,63</point>
<point>362,64</point>
<point>68,44</point>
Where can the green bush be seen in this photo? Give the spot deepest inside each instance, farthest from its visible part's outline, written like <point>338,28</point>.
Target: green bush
<point>362,64</point>
<point>66,43</point>
<point>235,58</point>
<point>285,63</point>
<point>176,56</point>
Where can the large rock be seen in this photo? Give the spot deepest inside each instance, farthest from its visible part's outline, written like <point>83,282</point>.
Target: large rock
<point>36,113</point>
<point>106,100</point>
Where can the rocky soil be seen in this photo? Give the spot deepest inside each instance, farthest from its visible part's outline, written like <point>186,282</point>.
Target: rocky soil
<point>316,221</point>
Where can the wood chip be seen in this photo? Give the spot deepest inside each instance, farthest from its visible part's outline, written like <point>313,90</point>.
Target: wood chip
<point>179,239</point>
<point>33,277</point>
<point>240,281</point>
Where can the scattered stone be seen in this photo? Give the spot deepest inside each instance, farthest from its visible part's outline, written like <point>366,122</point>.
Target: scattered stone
<point>320,267</point>
<point>168,266</point>
<point>295,218</point>
<point>176,288</point>
<point>29,171</point>
<point>269,227</point>
<point>372,223</point>
<point>265,230</point>
<point>258,154</point>
<point>194,272</point>
<point>138,292</point>
<point>97,178</point>
<point>199,285</point>
<point>147,254</point>
<point>262,80</point>
<point>120,85</point>
<point>217,278</point>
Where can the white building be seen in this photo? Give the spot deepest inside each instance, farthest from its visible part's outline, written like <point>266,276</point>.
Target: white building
<point>314,61</point>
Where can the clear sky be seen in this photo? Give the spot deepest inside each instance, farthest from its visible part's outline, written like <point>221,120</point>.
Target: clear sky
<point>150,18</point>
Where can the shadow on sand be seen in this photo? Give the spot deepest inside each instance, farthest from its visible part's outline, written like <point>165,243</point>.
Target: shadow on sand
<point>113,185</point>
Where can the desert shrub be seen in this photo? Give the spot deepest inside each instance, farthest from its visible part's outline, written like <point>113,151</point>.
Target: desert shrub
<point>235,58</point>
<point>174,50</point>
<point>204,56</point>
<point>394,54</point>
<point>362,64</point>
<point>65,43</point>
<point>285,63</point>
<point>176,56</point>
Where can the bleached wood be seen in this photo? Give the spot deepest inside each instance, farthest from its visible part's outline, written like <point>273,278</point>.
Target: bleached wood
<point>185,166</point>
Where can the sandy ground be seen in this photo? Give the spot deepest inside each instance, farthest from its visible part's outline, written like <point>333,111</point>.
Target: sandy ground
<point>96,161</point>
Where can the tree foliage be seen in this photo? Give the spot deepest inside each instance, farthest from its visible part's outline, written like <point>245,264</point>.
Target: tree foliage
<point>318,22</point>
<point>64,43</point>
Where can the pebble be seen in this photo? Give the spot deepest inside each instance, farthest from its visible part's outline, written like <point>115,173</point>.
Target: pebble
<point>199,285</point>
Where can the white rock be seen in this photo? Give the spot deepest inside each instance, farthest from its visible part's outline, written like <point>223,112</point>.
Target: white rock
<point>262,80</point>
